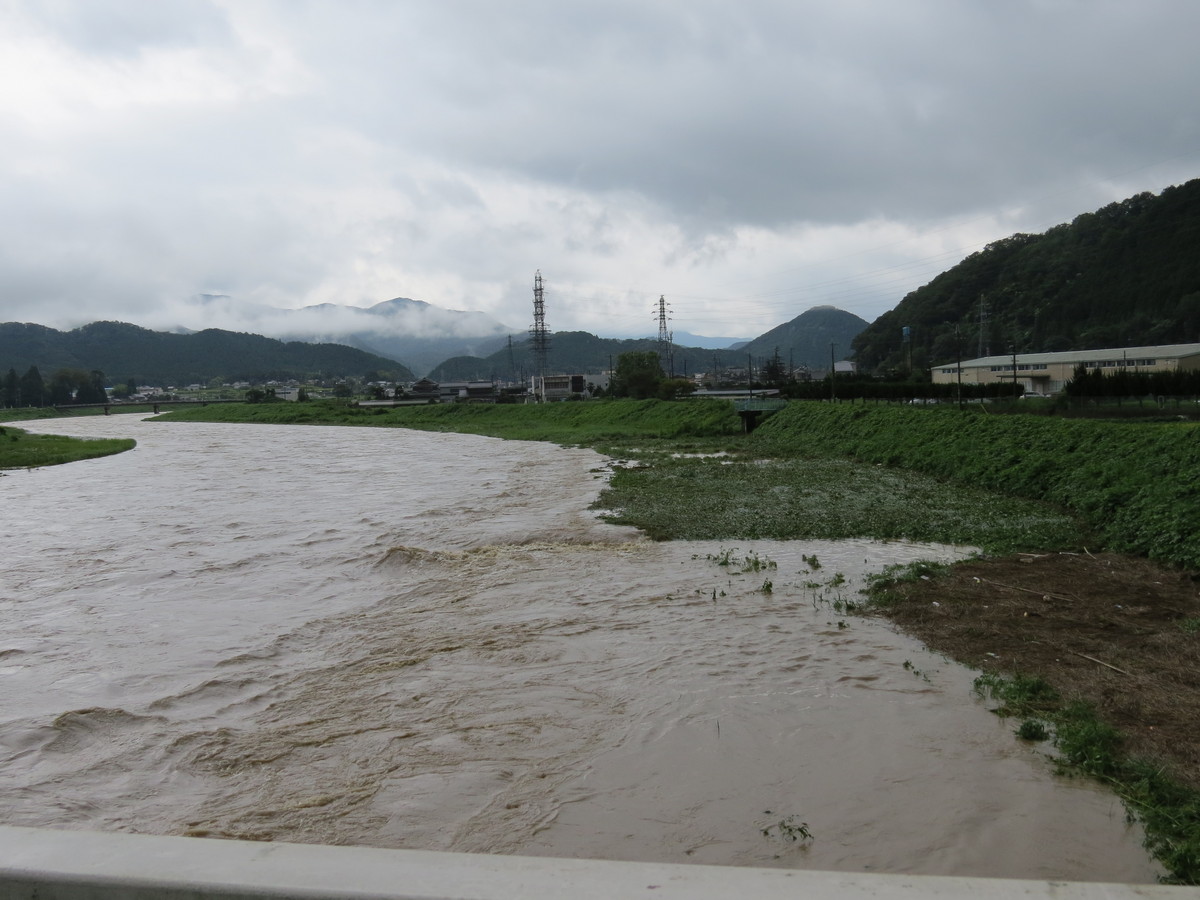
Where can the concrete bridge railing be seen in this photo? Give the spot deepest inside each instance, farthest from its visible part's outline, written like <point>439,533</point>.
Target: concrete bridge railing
<point>77,865</point>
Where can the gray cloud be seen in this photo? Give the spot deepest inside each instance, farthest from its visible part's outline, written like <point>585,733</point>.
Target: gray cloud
<point>749,160</point>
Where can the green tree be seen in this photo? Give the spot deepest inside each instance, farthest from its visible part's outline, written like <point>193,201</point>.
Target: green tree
<point>774,372</point>
<point>77,386</point>
<point>33,389</point>
<point>10,394</point>
<point>673,388</point>
<point>638,374</point>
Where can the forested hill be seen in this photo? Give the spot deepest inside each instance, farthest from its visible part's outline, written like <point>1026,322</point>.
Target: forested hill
<point>1125,275</point>
<point>124,352</point>
<point>810,338</point>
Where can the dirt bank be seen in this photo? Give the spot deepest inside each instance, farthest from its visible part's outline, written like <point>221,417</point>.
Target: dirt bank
<point>1118,631</point>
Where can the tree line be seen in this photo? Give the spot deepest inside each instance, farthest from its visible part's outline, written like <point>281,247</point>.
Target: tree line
<point>1095,384</point>
<point>65,387</point>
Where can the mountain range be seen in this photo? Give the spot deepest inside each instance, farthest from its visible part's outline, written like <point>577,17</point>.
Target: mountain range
<point>123,351</point>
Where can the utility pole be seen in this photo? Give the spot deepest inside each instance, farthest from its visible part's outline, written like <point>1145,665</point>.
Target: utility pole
<point>1014,365</point>
<point>832,371</point>
<point>540,337</point>
<point>982,325</point>
<point>665,353</point>
<point>958,350</point>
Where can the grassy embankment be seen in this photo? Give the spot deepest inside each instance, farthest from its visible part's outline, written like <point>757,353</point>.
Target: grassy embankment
<point>22,450</point>
<point>1136,487</point>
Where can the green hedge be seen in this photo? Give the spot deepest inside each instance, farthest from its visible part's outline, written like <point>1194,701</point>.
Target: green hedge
<point>1137,486</point>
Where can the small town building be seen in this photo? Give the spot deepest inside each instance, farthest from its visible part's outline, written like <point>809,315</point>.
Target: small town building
<point>549,388</point>
<point>469,391</point>
<point>1047,373</point>
<point>425,389</point>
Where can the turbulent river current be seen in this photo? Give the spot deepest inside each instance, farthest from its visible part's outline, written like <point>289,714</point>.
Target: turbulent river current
<point>400,639</point>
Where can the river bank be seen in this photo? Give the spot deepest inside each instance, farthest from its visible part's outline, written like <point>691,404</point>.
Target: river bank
<point>687,472</point>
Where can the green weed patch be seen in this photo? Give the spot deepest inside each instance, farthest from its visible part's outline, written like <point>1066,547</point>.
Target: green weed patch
<point>781,499</point>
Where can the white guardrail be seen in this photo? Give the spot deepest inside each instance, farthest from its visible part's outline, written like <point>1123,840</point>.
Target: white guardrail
<point>79,865</point>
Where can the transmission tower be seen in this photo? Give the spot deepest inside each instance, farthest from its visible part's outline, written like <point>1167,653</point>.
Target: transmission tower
<point>666,353</point>
<point>539,336</point>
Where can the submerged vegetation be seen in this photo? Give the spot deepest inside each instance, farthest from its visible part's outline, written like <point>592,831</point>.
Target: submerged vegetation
<point>1133,485</point>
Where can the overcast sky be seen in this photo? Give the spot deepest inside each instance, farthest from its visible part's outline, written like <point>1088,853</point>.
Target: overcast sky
<point>749,159</point>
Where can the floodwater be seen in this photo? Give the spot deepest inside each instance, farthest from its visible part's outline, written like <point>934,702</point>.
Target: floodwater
<point>400,639</point>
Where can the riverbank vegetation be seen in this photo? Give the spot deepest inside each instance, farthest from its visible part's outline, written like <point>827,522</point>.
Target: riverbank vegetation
<point>1134,485</point>
<point>22,450</point>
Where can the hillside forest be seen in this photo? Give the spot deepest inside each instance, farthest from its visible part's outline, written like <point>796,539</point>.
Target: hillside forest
<point>1125,275</point>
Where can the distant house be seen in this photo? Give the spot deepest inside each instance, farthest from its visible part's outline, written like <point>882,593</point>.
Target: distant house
<point>468,391</point>
<point>425,389</point>
<point>1047,373</point>
<point>557,387</point>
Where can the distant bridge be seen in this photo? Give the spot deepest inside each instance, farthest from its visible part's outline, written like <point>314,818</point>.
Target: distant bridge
<point>759,404</point>
<point>753,409</point>
<point>107,407</point>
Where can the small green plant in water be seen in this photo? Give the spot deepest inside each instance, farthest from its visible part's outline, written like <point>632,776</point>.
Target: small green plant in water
<point>1017,695</point>
<point>767,586</point>
<point>790,829</point>
<point>917,672</point>
<point>751,562</point>
<point>812,562</point>
<point>1033,730</point>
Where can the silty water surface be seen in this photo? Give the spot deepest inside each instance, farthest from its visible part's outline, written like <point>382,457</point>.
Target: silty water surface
<point>402,639</point>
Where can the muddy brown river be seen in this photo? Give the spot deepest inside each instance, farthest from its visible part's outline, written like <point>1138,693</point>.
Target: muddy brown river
<point>401,639</point>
